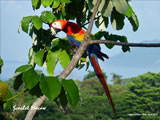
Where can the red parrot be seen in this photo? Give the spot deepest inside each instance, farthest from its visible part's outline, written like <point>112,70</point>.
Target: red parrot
<point>75,35</point>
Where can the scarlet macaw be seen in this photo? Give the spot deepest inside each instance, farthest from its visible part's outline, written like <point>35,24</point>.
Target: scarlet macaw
<point>75,35</point>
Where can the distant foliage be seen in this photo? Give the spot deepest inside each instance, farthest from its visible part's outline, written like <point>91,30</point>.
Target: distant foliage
<point>138,100</point>
<point>1,64</point>
<point>142,97</point>
<point>116,79</point>
<point>93,74</point>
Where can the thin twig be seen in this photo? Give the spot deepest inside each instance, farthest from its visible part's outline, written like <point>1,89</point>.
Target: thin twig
<point>21,93</point>
<point>87,35</point>
<point>124,43</point>
<point>19,105</point>
<point>89,21</point>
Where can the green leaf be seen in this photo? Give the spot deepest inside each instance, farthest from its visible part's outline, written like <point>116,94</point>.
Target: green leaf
<point>134,22</point>
<point>132,18</point>
<point>91,4</point>
<point>72,91</point>
<point>125,48</point>
<point>56,3</point>
<point>64,12</point>
<point>1,64</point>
<point>121,6</point>
<point>64,58</point>
<point>52,59</point>
<point>23,68</point>
<point>37,22</point>
<point>36,91</point>
<point>63,99</point>
<point>17,78</point>
<point>30,78</point>
<point>38,58</point>
<point>87,65</point>
<point>110,46</point>
<point>117,20</point>
<point>36,4</point>
<point>46,3</point>
<point>124,39</point>
<point>129,12</point>
<point>100,34</point>
<point>55,42</point>
<point>50,86</point>
<point>47,16</point>
<point>3,90</point>
<point>75,10</point>
<point>64,44</point>
<point>105,7</point>
<point>65,1</point>
<point>113,37</point>
<point>102,23</point>
<point>25,23</point>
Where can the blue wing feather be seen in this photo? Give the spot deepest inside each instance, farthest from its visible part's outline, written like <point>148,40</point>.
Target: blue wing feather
<point>91,49</point>
<point>95,49</point>
<point>73,41</point>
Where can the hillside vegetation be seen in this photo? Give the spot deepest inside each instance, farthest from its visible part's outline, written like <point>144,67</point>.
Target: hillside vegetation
<point>135,98</point>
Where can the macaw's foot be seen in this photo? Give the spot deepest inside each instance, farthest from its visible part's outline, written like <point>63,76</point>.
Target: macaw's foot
<point>73,50</point>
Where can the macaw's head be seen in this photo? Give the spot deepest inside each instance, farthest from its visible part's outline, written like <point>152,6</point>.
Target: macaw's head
<point>57,26</point>
<point>69,28</point>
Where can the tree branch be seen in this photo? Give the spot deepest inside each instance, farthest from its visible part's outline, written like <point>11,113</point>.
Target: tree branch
<point>72,64</point>
<point>36,104</point>
<point>89,22</point>
<point>124,43</point>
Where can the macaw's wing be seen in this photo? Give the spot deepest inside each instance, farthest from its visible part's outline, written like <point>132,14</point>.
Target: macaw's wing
<point>95,48</point>
<point>73,41</point>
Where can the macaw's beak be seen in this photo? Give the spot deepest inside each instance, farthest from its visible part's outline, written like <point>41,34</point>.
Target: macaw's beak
<point>54,30</point>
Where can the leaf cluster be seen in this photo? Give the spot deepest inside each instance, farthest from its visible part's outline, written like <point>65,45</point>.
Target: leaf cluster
<point>116,10</point>
<point>48,49</point>
<point>53,87</point>
<point>63,92</point>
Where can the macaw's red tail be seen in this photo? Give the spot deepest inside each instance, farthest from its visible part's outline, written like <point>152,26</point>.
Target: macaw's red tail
<point>101,77</point>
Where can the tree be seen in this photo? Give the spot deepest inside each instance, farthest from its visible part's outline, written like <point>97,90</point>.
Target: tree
<point>49,50</point>
<point>141,97</point>
<point>92,86</point>
<point>1,64</point>
<point>93,74</point>
<point>116,79</point>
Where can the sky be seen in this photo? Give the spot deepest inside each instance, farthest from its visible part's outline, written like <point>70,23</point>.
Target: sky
<point>14,46</point>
